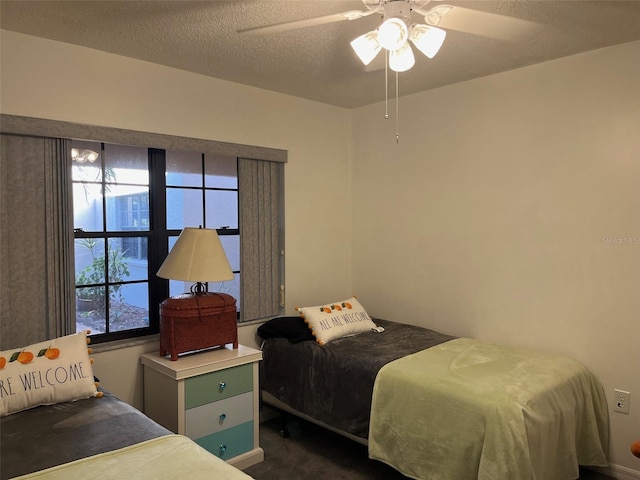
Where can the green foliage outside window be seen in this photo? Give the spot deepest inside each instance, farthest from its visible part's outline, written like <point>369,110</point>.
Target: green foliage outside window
<point>93,275</point>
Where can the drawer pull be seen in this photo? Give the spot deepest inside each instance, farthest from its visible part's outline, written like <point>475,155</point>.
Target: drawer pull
<point>223,448</point>
<point>222,386</point>
<point>223,417</point>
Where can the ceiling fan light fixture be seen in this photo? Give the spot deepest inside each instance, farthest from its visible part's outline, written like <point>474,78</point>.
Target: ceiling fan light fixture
<point>84,155</point>
<point>427,39</point>
<point>367,46</point>
<point>402,59</point>
<point>393,34</point>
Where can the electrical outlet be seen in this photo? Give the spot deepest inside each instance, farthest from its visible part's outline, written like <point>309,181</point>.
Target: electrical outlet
<point>621,401</point>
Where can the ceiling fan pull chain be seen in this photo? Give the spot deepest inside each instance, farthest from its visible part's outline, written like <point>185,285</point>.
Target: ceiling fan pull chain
<point>386,86</point>
<point>397,109</point>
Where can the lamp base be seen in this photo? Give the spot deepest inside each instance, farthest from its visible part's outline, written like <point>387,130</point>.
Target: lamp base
<point>191,322</point>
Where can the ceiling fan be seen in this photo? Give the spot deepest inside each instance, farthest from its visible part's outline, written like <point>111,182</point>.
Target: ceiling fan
<point>398,29</point>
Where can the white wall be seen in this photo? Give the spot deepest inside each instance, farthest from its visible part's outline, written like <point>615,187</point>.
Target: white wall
<point>510,211</point>
<point>53,80</point>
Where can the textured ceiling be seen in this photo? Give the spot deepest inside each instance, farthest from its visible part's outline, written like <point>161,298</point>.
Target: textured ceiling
<point>317,63</point>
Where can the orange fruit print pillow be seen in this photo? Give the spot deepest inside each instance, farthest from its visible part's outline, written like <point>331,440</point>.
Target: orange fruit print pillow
<point>46,373</point>
<point>336,320</point>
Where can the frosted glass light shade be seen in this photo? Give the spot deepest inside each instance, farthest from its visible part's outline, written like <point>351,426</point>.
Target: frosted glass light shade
<point>197,256</point>
<point>84,155</point>
<point>367,46</point>
<point>427,39</point>
<point>393,34</point>
<point>402,59</point>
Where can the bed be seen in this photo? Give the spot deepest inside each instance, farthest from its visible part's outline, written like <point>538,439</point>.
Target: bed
<point>95,434</point>
<point>439,407</point>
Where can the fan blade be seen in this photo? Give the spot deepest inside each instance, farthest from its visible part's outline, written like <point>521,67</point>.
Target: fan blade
<point>309,22</point>
<point>481,23</point>
<point>434,16</point>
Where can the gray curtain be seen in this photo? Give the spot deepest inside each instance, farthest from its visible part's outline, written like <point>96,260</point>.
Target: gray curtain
<point>261,238</point>
<point>36,240</point>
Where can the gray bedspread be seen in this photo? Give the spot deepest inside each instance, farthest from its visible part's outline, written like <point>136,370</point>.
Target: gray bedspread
<point>55,434</point>
<point>334,383</point>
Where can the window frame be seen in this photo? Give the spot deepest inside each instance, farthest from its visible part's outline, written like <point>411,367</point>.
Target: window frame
<point>156,287</point>
<point>157,234</point>
<point>203,188</point>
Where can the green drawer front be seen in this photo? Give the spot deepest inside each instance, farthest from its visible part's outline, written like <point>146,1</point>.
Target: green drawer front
<point>229,443</point>
<point>208,388</point>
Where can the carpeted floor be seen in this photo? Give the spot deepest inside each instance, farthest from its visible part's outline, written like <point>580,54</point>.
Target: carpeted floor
<point>312,452</point>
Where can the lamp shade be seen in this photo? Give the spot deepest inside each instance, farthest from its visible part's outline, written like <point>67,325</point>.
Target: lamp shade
<point>427,39</point>
<point>402,59</point>
<point>197,256</point>
<point>367,46</point>
<point>393,34</point>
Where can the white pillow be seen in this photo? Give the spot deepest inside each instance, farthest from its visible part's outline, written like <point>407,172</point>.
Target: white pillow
<point>336,320</point>
<point>45,373</point>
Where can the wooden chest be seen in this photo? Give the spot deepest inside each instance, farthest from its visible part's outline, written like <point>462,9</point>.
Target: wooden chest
<point>192,322</point>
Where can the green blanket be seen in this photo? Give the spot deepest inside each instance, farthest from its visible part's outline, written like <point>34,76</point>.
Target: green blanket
<point>172,457</point>
<point>467,409</point>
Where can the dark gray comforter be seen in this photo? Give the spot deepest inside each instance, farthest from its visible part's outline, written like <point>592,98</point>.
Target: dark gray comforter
<point>51,435</point>
<point>334,383</point>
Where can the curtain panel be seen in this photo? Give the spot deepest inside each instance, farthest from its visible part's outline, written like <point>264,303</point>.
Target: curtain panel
<point>36,240</point>
<point>261,238</point>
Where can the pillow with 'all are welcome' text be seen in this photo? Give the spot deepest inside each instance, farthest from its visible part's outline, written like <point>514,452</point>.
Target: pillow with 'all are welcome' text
<point>336,320</point>
<point>46,373</point>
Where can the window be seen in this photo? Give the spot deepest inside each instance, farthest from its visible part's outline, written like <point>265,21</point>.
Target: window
<point>202,190</point>
<point>112,229</point>
<point>109,195</point>
<point>130,205</point>
<point>133,213</point>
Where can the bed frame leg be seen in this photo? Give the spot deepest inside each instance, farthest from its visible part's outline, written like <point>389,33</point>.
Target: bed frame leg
<point>284,431</point>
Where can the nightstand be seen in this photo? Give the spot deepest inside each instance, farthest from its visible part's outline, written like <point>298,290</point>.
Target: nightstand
<point>211,397</point>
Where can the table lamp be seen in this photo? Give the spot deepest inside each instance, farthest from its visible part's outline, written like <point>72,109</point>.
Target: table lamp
<point>200,319</point>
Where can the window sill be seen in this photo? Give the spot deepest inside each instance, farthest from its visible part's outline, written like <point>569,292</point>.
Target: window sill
<point>125,343</point>
<point>155,339</point>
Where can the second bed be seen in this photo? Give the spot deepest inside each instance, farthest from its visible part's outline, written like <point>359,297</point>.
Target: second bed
<point>435,406</point>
